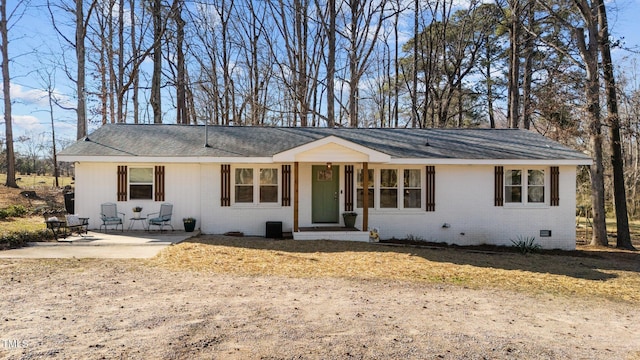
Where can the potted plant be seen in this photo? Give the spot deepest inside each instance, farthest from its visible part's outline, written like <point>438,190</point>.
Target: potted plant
<point>189,224</point>
<point>136,211</point>
<point>349,219</point>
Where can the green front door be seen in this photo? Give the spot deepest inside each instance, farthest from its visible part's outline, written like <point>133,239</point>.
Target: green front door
<point>324,201</point>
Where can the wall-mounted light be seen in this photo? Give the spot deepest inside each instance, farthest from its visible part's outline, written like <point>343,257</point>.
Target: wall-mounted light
<point>328,165</point>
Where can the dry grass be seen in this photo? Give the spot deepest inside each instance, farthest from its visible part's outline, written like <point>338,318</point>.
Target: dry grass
<point>49,196</point>
<point>37,182</point>
<point>606,273</point>
<point>32,223</point>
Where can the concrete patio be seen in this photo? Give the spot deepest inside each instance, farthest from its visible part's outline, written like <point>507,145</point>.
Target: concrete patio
<point>111,245</point>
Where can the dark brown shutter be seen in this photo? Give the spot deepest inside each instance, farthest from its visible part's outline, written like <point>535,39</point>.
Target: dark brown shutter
<point>430,193</point>
<point>348,188</point>
<point>286,185</point>
<point>225,185</point>
<point>555,186</point>
<point>159,177</point>
<point>499,186</point>
<point>122,183</point>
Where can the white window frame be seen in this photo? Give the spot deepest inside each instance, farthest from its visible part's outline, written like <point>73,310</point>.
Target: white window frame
<point>256,186</point>
<point>524,201</point>
<point>377,178</point>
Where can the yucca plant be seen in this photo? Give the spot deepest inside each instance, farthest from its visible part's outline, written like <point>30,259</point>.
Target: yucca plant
<point>526,244</point>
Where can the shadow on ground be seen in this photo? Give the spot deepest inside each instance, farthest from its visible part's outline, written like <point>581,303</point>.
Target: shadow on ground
<point>589,264</point>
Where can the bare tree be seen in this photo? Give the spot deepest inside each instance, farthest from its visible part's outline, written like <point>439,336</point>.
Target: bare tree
<point>588,45</point>
<point>156,96</point>
<point>515,25</point>
<point>81,19</point>
<point>364,21</point>
<point>613,120</point>
<point>6,84</point>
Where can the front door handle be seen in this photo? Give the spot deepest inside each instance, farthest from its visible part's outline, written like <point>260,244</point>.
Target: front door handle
<point>335,195</point>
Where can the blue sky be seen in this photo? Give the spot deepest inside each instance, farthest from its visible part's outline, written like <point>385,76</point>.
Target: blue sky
<point>33,40</point>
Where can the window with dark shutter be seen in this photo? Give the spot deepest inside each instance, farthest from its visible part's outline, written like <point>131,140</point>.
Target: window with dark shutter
<point>430,193</point>
<point>225,185</point>
<point>122,183</point>
<point>348,188</point>
<point>159,183</point>
<point>555,186</point>
<point>286,185</point>
<point>498,186</point>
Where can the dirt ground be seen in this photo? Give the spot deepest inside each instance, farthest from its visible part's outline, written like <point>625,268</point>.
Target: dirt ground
<point>95,309</point>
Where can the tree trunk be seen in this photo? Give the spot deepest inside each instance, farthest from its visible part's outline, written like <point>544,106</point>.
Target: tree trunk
<point>527,78</point>
<point>54,153</point>
<point>414,79</point>
<point>181,96</point>
<point>135,74</point>
<point>6,82</point>
<point>492,118</point>
<point>156,99</point>
<point>592,91</point>
<point>81,110</point>
<point>622,220</point>
<point>331,66</point>
<point>514,64</point>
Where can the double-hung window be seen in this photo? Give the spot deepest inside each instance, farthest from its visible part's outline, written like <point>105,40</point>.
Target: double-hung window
<point>524,186</point>
<point>141,183</point>
<point>412,189</point>
<point>256,185</point>
<point>360,188</point>
<point>388,188</point>
<point>268,185</point>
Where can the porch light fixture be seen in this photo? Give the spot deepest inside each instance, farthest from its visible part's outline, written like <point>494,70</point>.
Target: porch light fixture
<point>328,165</point>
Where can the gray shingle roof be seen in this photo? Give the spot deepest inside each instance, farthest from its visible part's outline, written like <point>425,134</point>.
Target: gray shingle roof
<point>181,140</point>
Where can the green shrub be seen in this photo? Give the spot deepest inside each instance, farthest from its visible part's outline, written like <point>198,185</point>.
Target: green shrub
<point>13,211</point>
<point>526,244</point>
<point>18,239</point>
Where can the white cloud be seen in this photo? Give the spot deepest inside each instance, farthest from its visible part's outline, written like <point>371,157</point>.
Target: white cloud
<point>27,123</point>
<point>37,97</point>
<point>32,96</point>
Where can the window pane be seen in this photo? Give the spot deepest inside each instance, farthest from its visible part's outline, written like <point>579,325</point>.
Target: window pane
<point>141,192</point>
<point>268,176</point>
<point>268,194</point>
<point>244,194</point>
<point>412,198</point>
<point>141,175</point>
<point>360,199</point>
<point>388,198</point>
<point>535,194</point>
<point>513,177</point>
<point>361,179</point>
<point>389,178</point>
<point>412,178</point>
<point>244,176</point>
<point>536,177</point>
<point>513,194</point>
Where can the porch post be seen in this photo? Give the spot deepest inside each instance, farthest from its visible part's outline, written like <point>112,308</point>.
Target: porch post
<point>295,196</point>
<point>365,196</point>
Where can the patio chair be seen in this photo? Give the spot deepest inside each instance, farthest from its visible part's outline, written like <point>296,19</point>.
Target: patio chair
<point>163,217</point>
<point>110,216</point>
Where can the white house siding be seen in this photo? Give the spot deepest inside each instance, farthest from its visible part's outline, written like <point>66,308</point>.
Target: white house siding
<point>250,219</point>
<point>465,203</point>
<point>96,183</point>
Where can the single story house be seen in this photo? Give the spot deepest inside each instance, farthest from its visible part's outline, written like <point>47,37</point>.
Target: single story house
<point>459,186</point>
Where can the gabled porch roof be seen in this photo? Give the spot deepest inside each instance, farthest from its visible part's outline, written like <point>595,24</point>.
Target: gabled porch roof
<point>331,149</point>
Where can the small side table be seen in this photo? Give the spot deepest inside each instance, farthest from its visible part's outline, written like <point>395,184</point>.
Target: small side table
<point>132,222</point>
